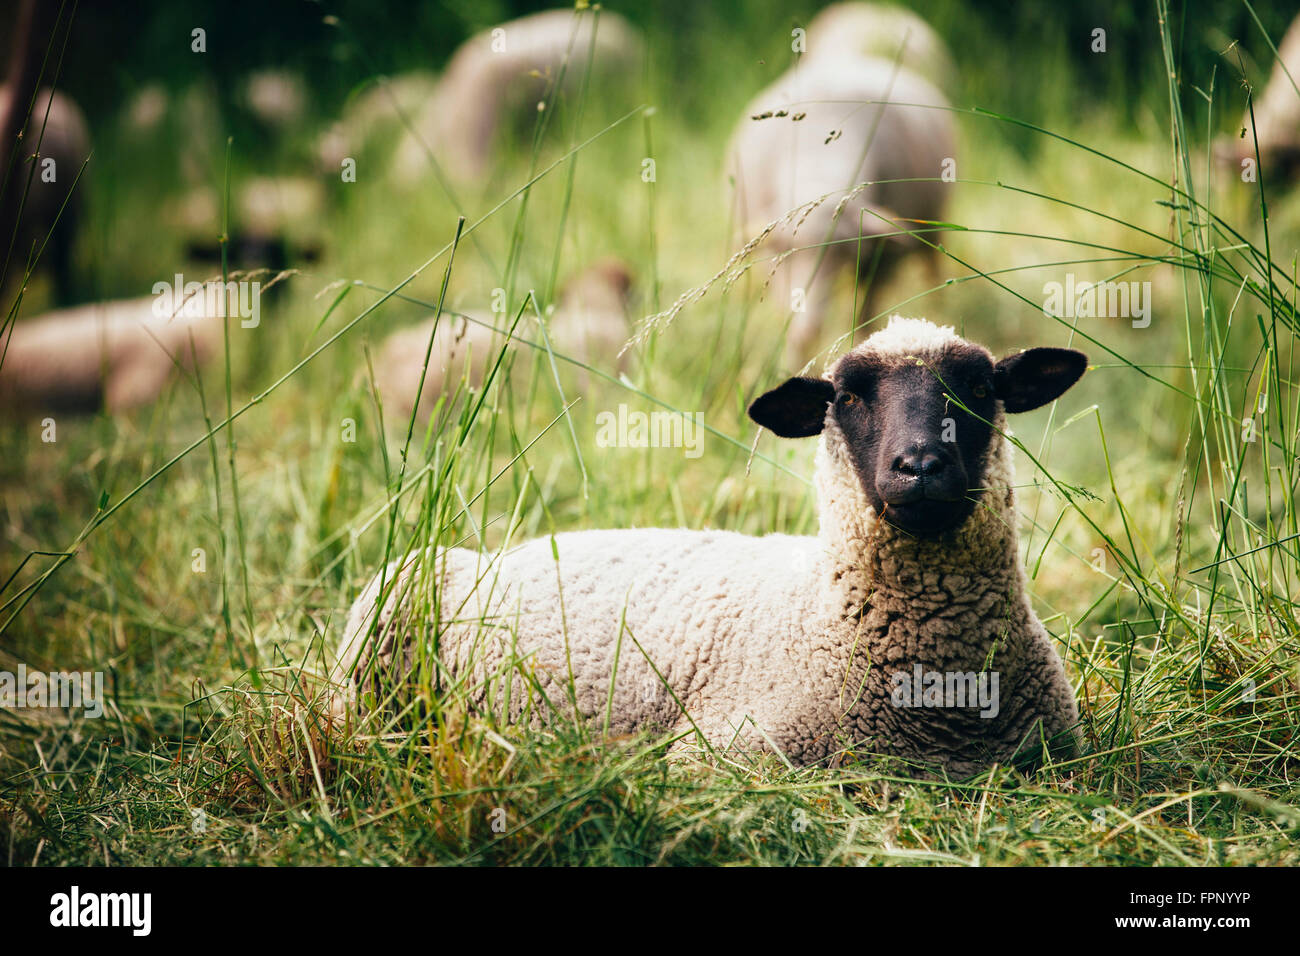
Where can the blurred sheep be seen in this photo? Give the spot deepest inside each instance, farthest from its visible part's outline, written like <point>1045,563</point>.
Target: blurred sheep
<point>276,97</point>
<point>116,355</point>
<point>504,73</point>
<point>275,222</point>
<point>844,128</point>
<point>885,32</point>
<point>1277,118</point>
<point>57,141</point>
<point>589,324</point>
<point>379,109</point>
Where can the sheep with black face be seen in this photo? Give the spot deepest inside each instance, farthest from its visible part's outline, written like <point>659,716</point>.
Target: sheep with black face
<point>810,645</point>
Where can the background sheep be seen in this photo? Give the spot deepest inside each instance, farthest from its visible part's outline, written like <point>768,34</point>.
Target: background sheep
<point>378,109</point>
<point>66,141</point>
<point>779,642</point>
<point>589,324</point>
<point>504,72</point>
<point>882,31</point>
<point>115,355</point>
<point>1276,126</point>
<point>826,133</point>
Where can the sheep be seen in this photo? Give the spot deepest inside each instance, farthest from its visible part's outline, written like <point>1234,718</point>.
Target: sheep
<point>379,109</point>
<point>882,31</point>
<point>275,222</point>
<point>504,71</point>
<point>116,355</point>
<point>52,206</point>
<point>276,97</point>
<point>1276,126</point>
<point>821,131</point>
<point>589,324</point>
<point>808,646</point>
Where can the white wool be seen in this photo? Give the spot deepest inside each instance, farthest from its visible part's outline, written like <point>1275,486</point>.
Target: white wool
<point>505,71</point>
<point>881,30</point>
<point>904,336</point>
<point>116,355</point>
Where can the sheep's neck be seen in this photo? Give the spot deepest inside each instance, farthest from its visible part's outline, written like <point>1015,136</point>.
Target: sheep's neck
<point>884,586</point>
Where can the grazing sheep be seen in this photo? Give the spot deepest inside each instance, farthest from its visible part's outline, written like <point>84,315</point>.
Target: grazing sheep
<point>1277,117</point>
<point>807,645</point>
<point>116,355</point>
<point>885,32</point>
<point>377,110</point>
<point>589,324</point>
<point>824,129</point>
<point>504,72</point>
<point>275,222</point>
<point>66,141</point>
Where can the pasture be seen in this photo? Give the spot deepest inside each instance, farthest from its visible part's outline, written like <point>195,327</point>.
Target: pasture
<point>201,552</point>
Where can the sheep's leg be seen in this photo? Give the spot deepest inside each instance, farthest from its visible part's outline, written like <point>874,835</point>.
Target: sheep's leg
<point>877,262</point>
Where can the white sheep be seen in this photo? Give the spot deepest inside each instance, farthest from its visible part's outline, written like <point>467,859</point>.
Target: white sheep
<point>504,72</point>
<point>115,355</point>
<point>811,646</point>
<point>882,31</point>
<point>824,130</point>
<point>278,98</point>
<point>377,110</point>
<point>589,324</point>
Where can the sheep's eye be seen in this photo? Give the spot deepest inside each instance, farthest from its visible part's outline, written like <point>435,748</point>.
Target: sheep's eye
<point>980,390</point>
<point>849,399</point>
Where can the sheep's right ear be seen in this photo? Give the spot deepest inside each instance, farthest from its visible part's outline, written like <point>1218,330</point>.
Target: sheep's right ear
<point>1034,377</point>
<point>794,409</point>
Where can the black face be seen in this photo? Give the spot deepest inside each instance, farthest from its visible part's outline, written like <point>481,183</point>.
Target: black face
<point>918,432</point>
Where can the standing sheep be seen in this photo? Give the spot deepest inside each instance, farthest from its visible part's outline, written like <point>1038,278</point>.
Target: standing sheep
<point>811,646</point>
<point>853,130</point>
<point>114,355</point>
<point>590,325</point>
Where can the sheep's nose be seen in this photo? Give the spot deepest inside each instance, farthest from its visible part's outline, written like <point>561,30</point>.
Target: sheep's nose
<point>919,465</point>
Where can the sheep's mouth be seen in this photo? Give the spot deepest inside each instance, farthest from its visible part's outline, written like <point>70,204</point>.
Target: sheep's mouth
<point>926,517</point>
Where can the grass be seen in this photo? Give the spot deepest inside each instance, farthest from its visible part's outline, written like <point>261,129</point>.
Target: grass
<point>1159,528</point>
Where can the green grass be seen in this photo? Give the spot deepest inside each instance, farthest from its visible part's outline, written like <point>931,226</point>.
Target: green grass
<point>1160,545</point>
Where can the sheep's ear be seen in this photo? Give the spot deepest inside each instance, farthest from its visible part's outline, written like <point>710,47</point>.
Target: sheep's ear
<point>1035,377</point>
<point>794,409</point>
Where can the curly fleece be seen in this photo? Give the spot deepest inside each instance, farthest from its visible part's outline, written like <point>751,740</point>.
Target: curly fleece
<point>775,642</point>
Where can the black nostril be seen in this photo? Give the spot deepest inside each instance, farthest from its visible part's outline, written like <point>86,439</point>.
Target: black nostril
<point>919,465</point>
<point>907,465</point>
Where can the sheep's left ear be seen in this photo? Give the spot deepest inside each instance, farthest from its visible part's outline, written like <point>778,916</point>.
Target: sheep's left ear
<point>794,409</point>
<point>1035,377</point>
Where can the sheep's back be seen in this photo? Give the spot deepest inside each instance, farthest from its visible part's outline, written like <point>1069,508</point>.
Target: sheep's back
<point>780,163</point>
<point>716,613</point>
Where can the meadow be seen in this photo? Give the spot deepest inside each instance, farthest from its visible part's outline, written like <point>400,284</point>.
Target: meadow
<point>202,552</point>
